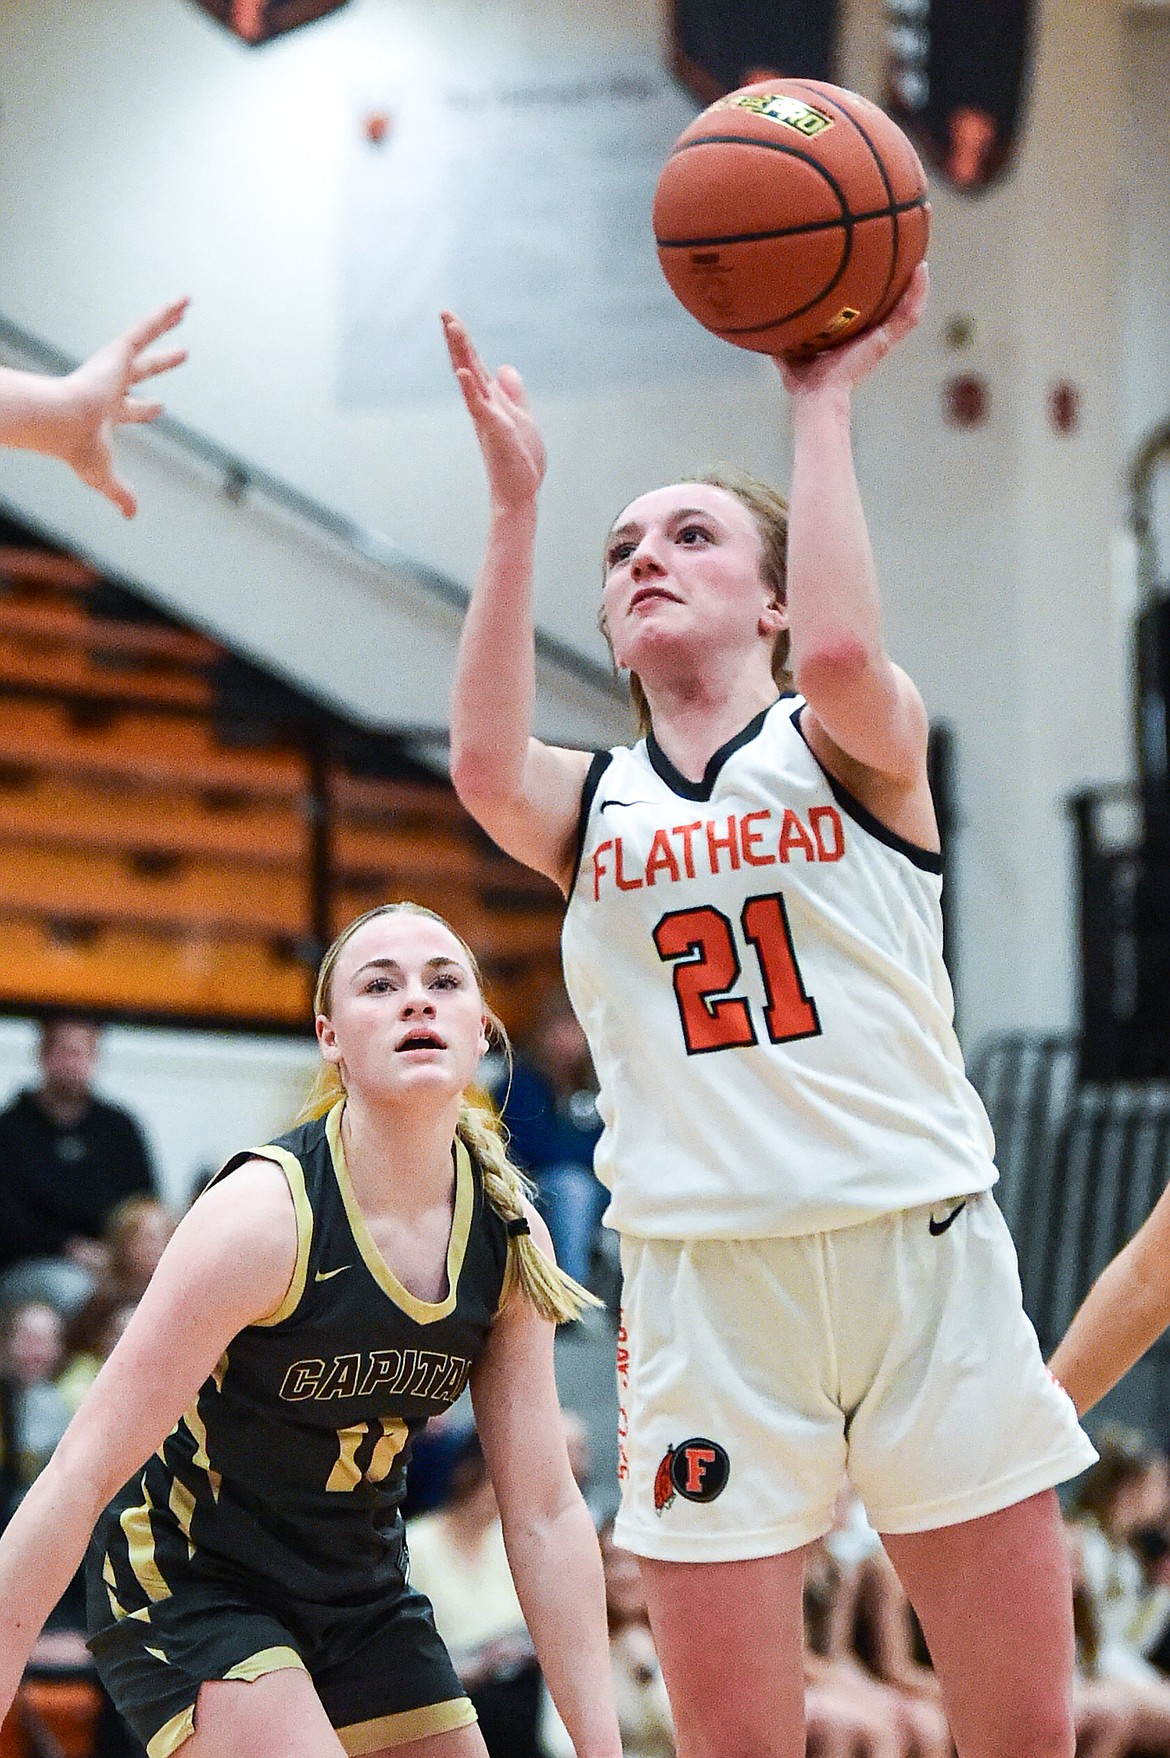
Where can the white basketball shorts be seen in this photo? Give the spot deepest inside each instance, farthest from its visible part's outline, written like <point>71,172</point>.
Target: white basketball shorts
<point>754,1374</point>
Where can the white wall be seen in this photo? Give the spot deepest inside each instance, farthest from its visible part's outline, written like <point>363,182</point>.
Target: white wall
<point>142,151</point>
<point>199,1097</point>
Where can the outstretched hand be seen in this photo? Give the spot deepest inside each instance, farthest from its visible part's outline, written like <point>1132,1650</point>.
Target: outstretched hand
<point>513,451</point>
<point>96,398</point>
<point>846,366</point>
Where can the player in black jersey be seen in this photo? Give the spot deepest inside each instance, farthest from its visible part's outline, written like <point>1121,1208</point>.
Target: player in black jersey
<point>248,1584</point>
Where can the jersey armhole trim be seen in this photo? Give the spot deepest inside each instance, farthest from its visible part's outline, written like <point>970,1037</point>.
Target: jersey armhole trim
<point>927,859</point>
<point>597,768</point>
<point>295,1176</point>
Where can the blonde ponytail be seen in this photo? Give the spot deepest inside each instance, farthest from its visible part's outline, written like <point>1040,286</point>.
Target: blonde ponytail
<point>555,1295</point>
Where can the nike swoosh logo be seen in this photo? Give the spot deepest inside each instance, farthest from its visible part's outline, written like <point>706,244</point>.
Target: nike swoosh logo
<point>605,803</point>
<point>328,1275</point>
<point>937,1227</point>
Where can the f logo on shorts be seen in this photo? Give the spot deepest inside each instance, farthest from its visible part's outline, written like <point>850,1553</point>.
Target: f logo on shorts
<point>697,1470</point>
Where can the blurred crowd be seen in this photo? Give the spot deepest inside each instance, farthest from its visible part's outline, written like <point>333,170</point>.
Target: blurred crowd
<point>81,1231</point>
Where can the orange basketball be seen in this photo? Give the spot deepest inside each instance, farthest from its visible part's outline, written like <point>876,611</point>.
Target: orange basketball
<point>790,216</point>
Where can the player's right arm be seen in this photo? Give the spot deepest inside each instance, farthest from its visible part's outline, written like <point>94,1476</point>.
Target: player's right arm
<point>230,1263</point>
<point>524,793</point>
<point>1125,1311</point>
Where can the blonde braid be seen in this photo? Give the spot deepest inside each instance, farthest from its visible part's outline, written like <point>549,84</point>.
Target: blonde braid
<point>554,1294</point>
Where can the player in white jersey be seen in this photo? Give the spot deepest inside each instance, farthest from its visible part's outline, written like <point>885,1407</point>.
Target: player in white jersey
<point>816,1278</point>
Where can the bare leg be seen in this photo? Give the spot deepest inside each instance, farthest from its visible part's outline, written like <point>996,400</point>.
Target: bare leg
<point>282,1713</point>
<point>279,1712</point>
<point>995,1600</point>
<point>730,1637</point>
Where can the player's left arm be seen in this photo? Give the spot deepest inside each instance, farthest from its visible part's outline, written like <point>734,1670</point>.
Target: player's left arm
<point>1125,1311</point>
<point>551,1544</point>
<point>865,714</point>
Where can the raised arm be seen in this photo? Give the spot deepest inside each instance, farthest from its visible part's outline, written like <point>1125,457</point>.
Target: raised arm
<point>523,792</point>
<point>230,1263</point>
<point>552,1547</point>
<point>1125,1311</point>
<point>73,418</point>
<point>864,710</point>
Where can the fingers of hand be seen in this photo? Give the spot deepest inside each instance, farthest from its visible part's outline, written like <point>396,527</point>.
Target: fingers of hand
<point>142,334</point>
<point>462,351</point>
<point>133,410</point>
<point>98,475</point>
<point>512,386</point>
<point>156,363</point>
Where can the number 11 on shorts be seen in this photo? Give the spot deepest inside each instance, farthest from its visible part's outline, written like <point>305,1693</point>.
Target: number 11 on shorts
<point>700,943</point>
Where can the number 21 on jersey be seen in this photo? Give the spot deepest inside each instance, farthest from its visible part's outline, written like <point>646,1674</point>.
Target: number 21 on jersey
<point>701,945</point>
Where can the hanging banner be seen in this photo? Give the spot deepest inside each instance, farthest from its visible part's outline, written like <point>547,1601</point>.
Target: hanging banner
<point>958,82</point>
<point>718,45</point>
<point>518,194</point>
<point>257,21</point>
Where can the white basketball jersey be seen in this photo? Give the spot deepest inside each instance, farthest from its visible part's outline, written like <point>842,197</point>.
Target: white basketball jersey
<point>757,964</point>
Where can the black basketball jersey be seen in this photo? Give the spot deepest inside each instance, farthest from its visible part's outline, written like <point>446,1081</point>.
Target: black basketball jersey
<point>290,1466</point>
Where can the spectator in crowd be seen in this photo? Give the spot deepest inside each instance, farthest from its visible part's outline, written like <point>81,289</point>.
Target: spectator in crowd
<point>30,1356</point>
<point>549,1105</point>
<point>1113,1716</point>
<point>1120,1500</point>
<point>134,1240</point>
<point>457,1559</point>
<point>90,1338</point>
<point>639,1690</point>
<point>67,1158</point>
<point>34,1413</point>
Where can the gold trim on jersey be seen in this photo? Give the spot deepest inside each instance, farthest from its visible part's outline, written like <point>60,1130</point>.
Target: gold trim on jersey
<point>135,1523</point>
<point>409,1724</point>
<point>182,1505</point>
<point>266,1660</point>
<point>172,1734</point>
<point>423,1312</point>
<point>347,1473</point>
<point>197,1429</point>
<point>111,1581</point>
<point>294,1172</point>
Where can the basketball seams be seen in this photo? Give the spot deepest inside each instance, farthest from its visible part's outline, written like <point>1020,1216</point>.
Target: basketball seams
<point>879,161</point>
<point>768,146</point>
<point>845,220</point>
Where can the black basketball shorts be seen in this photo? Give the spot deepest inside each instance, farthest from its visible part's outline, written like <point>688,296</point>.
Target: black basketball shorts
<point>380,1669</point>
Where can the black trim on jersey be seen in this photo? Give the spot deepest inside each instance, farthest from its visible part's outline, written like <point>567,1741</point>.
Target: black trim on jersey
<point>597,768</point>
<point>702,790</point>
<point>926,858</point>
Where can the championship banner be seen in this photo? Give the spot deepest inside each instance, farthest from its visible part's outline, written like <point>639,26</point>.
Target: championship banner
<point>256,21</point>
<point>718,45</point>
<point>958,81</point>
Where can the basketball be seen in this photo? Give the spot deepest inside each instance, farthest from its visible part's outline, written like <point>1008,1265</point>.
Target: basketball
<point>790,215</point>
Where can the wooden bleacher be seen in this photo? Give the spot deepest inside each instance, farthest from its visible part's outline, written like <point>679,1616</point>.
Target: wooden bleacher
<point>158,858</point>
